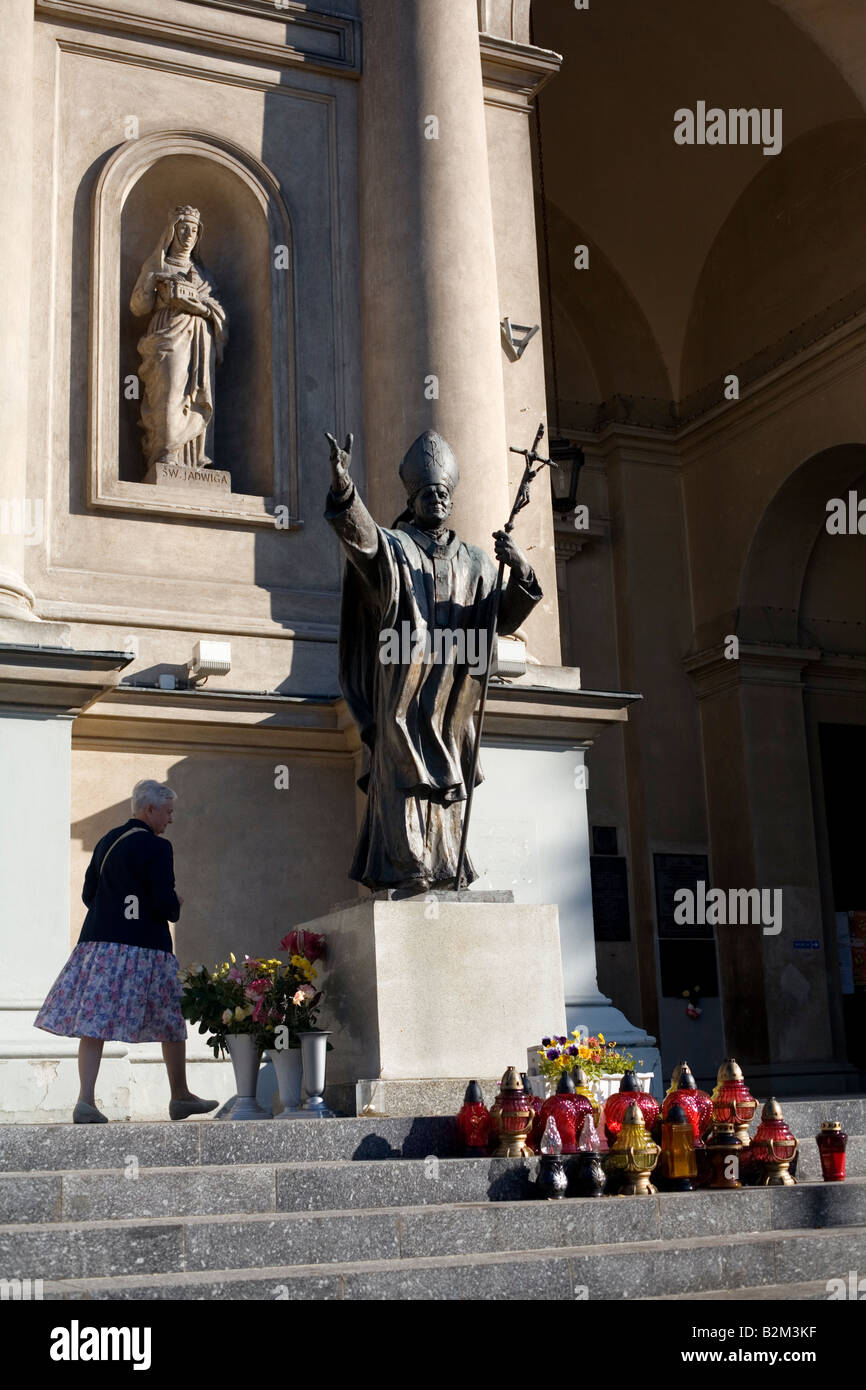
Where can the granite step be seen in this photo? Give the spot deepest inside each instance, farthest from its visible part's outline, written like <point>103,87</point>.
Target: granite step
<point>134,1193</point>
<point>183,1243</point>
<point>205,1141</point>
<point>696,1267</point>
<point>327,1185</point>
<point>191,1142</point>
<point>814,1289</point>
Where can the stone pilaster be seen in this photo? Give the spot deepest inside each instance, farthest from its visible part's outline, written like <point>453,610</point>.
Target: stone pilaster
<point>429,294</point>
<point>16,173</point>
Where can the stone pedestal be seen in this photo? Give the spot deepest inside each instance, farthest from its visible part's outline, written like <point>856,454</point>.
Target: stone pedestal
<point>426,993</point>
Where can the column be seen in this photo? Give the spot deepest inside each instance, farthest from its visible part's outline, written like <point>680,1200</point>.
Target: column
<point>428,272</point>
<point>16,174</point>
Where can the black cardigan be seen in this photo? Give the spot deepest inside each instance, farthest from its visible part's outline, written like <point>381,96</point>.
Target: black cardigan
<point>133,899</point>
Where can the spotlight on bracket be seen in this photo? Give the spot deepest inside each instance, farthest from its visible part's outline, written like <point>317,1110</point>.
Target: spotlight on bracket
<point>210,659</point>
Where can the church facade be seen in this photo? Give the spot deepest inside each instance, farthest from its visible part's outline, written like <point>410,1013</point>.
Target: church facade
<point>232,225</point>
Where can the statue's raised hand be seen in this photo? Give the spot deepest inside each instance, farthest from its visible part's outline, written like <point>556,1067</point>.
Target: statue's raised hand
<point>341,460</point>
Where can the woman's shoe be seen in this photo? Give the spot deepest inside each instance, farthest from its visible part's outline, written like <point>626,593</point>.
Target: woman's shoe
<point>85,1114</point>
<point>182,1109</point>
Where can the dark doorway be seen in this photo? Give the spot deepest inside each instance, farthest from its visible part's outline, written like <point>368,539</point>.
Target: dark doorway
<point>843,763</point>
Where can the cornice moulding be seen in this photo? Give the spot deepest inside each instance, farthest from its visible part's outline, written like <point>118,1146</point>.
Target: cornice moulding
<point>514,73</point>
<point>319,41</point>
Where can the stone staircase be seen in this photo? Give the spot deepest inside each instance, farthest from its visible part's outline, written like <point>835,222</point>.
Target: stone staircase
<point>381,1209</point>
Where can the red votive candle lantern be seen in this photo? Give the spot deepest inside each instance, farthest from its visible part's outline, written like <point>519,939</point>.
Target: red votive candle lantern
<point>569,1110</point>
<point>616,1105</point>
<point>773,1148</point>
<point>511,1118</point>
<point>832,1143</point>
<point>473,1122</point>
<point>698,1105</point>
<point>733,1102</point>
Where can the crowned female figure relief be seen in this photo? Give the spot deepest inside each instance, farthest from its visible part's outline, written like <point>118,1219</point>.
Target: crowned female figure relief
<point>184,341</point>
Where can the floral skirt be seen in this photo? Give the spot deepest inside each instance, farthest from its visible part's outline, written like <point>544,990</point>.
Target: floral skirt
<point>119,993</point>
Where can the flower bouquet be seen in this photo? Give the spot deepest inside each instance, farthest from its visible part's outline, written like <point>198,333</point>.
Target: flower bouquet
<point>290,1006</point>
<point>226,1001</point>
<point>595,1055</point>
<point>270,999</point>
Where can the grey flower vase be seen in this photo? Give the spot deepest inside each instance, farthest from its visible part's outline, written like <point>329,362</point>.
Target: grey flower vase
<point>287,1065</point>
<point>314,1052</point>
<point>246,1056</point>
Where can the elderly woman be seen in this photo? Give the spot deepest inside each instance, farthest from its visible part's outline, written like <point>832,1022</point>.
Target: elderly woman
<point>121,981</point>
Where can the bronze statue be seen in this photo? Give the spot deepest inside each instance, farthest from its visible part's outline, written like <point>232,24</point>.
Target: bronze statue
<point>419,607</point>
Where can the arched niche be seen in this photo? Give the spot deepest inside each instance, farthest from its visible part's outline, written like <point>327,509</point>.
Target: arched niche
<point>786,265</point>
<point>247,246</point>
<point>790,533</point>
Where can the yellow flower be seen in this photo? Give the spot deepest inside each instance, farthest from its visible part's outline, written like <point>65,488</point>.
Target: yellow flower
<point>232,958</point>
<point>601,1037</point>
<point>583,1052</point>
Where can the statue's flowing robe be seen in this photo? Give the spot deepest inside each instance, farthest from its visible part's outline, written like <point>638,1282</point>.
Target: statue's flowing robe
<point>415,716</point>
<point>177,367</point>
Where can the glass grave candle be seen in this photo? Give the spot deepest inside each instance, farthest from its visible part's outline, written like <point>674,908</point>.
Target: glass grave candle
<point>733,1102</point>
<point>633,1156</point>
<point>586,1173</point>
<point>697,1104</point>
<point>725,1155</point>
<point>568,1109</point>
<point>552,1181</point>
<point>629,1093</point>
<point>832,1143</point>
<point>473,1122</point>
<point>511,1118</point>
<point>678,1166</point>
<point>773,1149</point>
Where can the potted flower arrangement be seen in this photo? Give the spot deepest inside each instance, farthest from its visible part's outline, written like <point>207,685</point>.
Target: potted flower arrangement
<point>226,1005</point>
<point>287,1015</point>
<point>256,1004</point>
<point>603,1063</point>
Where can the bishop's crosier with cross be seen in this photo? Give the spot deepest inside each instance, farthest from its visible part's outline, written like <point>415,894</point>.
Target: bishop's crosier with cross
<point>415,716</point>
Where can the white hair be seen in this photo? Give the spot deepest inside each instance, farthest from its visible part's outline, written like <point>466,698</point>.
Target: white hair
<point>149,793</point>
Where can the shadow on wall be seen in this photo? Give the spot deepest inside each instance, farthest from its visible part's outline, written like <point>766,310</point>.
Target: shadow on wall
<point>252,859</point>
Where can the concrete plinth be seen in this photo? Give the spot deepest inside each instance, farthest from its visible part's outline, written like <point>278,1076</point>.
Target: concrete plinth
<point>430,990</point>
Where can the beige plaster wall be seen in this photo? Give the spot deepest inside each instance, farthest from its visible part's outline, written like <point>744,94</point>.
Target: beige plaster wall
<point>302,126</point>
<point>251,861</point>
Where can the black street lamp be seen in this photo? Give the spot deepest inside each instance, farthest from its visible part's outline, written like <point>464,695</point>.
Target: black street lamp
<point>569,459</point>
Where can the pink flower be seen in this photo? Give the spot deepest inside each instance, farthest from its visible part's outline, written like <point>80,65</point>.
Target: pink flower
<point>235,975</point>
<point>256,988</point>
<point>307,991</point>
<point>298,997</point>
<point>309,944</point>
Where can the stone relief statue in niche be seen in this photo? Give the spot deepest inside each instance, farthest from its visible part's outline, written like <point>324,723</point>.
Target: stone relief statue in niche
<point>184,342</point>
